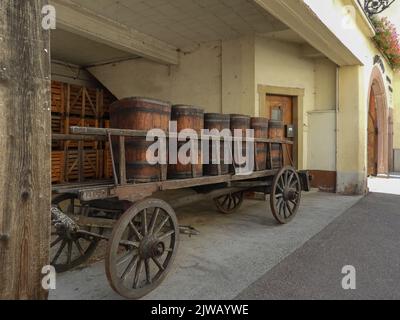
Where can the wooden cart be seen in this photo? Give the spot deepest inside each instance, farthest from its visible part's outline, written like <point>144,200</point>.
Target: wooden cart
<point>142,229</point>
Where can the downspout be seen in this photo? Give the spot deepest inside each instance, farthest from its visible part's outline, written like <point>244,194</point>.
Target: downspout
<point>337,127</point>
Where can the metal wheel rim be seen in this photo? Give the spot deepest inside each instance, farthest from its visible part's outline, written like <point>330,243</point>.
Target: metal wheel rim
<point>283,207</point>
<point>69,245</point>
<point>112,257</point>
<point>229,203</point>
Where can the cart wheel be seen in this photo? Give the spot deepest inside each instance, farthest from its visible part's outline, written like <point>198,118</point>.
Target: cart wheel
<point>229,203</point>
<point>142,248</point>
<point>69,250</point>
<point>286,194</point>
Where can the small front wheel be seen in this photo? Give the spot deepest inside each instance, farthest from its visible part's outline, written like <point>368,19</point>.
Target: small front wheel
<point>229,203</point>
<point>142,248</point>
<point>285,195</point>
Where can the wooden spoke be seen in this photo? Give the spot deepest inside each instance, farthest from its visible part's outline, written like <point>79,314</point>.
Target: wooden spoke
<point>162,224</point>
<point>166,235</point>
<point>148,272</point>
<point>56,241</point>
<point>158,263</point>
<point>130,267</point>
<point>139,268</point>
<point>135,231</point>
<point>154,220</point>
<point>69,254</point>
<point>229,203</point>
<point>80,249</point>
<point>59,251</point>
<point>124,258</point>
<point>144,222</point>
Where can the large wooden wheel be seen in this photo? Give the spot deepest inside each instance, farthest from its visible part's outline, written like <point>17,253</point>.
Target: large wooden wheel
<point>229,203</point>
<point>70,249</point>
<point>142,248</point>
<point>285,195</point>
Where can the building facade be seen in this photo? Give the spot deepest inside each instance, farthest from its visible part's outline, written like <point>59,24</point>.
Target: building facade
<point>310,63</point>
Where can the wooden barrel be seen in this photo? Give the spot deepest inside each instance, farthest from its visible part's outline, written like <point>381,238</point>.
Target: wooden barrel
<point>187,117</point>
<point>240,122</point>
<point>276,130</point>
<point>219,122</point>
<point>260,127</point>
<point>139,114</point>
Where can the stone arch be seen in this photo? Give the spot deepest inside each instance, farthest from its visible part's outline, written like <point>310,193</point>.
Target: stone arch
<point>377,100</point>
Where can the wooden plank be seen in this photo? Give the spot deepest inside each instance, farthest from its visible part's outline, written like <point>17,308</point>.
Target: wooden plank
<point>140,133</point>
<point>75,137</point>
<point>122,161</point>
<point>25,130</point>
<point>79,20</point>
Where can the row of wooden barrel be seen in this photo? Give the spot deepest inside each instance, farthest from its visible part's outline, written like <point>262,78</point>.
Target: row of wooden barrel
<point>145,114</point>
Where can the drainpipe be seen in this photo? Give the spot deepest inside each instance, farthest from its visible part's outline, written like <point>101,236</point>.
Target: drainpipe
<point>337,126</point>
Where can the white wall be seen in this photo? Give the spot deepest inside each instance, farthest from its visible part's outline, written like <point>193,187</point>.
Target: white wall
<point>195,81</point>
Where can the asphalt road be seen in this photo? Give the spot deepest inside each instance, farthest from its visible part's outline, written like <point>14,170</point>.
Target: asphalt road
<point>367,236</point>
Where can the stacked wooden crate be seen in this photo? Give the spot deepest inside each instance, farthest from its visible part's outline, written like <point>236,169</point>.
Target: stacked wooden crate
<point>74,105</point>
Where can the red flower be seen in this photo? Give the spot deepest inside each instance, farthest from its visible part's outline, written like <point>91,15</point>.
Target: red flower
<point>388,40</point>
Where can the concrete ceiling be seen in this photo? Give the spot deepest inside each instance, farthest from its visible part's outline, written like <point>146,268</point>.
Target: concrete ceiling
<point>71,48</point>
<point>185,23</point>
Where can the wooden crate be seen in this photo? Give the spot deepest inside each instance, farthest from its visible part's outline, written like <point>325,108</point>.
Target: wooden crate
<point>57,97</point>
<point>78,122</point>
<point>84,101</point>
<point>57,166</point>
<point>92,165</point>
<point>107,168</point>
<point>57,126</point>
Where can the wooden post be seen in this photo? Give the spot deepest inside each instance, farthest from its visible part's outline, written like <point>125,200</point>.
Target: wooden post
<point>25,144</point>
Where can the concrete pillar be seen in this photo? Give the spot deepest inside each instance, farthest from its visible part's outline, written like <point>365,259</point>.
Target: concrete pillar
<point>351,132</point>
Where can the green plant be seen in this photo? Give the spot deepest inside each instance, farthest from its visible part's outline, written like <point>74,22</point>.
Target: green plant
<point>388,40</point>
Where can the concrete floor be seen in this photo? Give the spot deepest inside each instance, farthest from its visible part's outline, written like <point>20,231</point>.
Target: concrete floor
<point>366,237</point>
<point>229,255</point>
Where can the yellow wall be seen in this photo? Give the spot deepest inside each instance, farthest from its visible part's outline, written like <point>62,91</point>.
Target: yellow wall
<point>238,72</point>
<point>195,81</point>
<point>325,84</point>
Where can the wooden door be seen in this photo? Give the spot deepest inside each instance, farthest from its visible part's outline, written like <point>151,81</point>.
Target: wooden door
<point>372,137</point>
<point>281,108</point>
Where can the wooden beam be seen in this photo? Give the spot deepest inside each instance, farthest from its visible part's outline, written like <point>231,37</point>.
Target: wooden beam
<point>25,144</point>
<point>82,21</point>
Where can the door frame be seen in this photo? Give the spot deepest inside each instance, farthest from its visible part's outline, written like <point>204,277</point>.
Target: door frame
<point>297,95</point>
<point>377,84</point>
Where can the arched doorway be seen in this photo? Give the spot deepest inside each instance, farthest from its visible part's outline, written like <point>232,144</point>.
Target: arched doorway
<point>378,135</point>
<point>372,136</point>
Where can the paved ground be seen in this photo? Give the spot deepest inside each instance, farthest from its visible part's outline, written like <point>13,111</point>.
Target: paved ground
<point>367,237</point>
<point>232,252</point>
